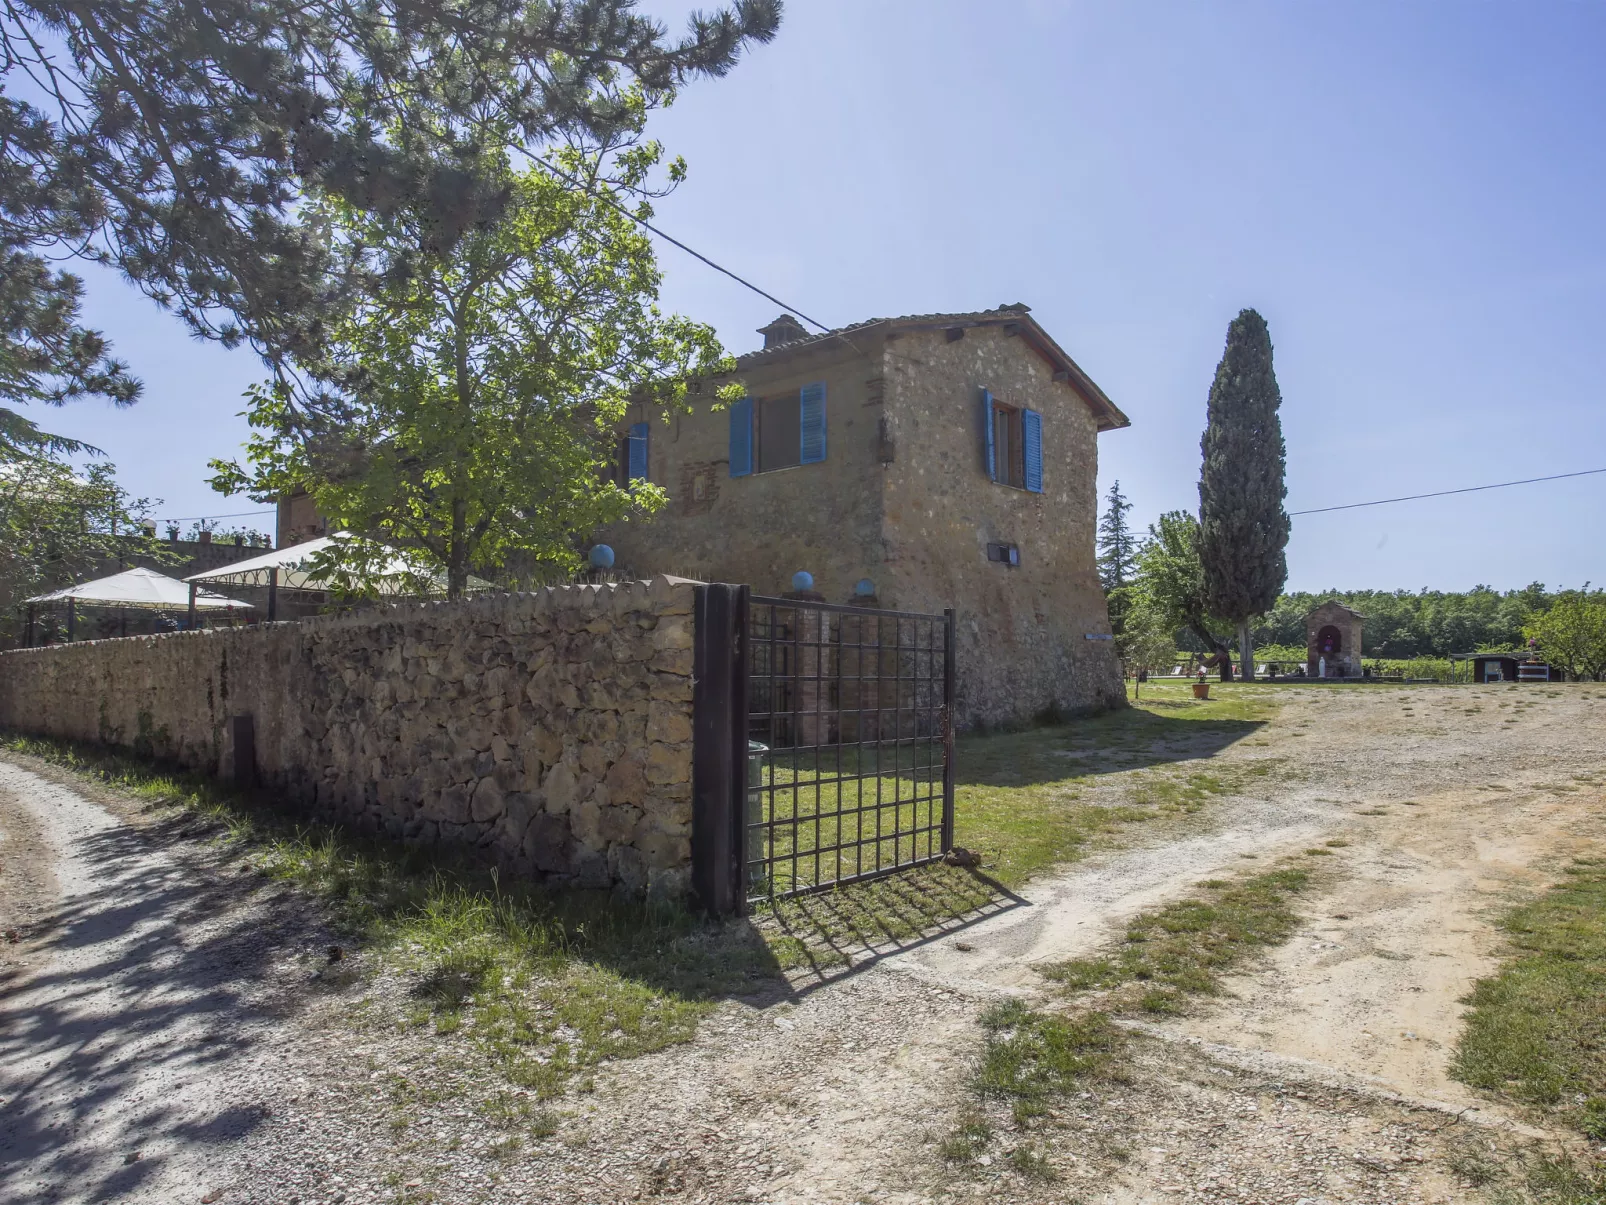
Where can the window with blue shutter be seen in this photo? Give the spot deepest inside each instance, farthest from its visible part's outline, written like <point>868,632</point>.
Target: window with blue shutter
<point>638,452</point>
<point>741,449</point>
<point>1032,443</point>
<point>990,463</point>
<point>1012,441</point>
<point>811,408</point>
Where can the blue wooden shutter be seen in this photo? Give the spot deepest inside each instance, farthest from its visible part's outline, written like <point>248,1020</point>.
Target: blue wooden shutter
<point>991,461</point>
<point>811,409</point>
<point>1031,426</point>
<point>638,451</point>
<point>742,437</point>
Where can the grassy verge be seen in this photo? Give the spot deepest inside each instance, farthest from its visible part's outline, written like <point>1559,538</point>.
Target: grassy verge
<point>544,985</point>
<point>1030,800</point>
<point>1536,1035</point>
<point>1184,948</point>
<point>1536,1031</point>
<point>1032,1058</point>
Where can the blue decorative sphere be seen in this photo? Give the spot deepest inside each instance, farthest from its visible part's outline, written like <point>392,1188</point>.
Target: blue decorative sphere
<point>802,580</point>
<point>601,557</point>
<point>864,587</point>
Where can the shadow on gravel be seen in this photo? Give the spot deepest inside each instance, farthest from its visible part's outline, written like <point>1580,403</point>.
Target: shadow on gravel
<point>824,937</point>
<point>157,973</point>
<point>1132,739</point>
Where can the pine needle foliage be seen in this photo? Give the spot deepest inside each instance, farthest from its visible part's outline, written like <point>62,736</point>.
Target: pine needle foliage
<point>177,140</point>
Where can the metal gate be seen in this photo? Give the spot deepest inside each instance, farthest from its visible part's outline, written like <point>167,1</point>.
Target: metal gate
<point>824,744</point>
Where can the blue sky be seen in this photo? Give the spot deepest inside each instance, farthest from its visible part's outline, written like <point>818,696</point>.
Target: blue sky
<point>1410,193</point>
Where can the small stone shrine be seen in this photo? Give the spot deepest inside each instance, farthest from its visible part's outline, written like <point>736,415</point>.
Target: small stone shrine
<point>1333,641</point>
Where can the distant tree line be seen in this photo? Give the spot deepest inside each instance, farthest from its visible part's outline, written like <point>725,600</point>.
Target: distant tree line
<point>1402,624</point>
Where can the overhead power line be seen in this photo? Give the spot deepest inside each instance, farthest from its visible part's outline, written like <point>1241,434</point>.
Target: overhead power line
<point>673,241</point>
<point>232,515</point>
<point>1470,489</point>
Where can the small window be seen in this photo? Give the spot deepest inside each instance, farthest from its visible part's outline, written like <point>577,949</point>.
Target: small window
<point>629,462</point>
<point>1003,554</point>
<point>1009,446</point>
<point>1013,444</point>
<point>780,433</point>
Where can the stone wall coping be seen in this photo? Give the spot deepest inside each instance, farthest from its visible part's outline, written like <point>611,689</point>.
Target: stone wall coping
<point>657,589</point>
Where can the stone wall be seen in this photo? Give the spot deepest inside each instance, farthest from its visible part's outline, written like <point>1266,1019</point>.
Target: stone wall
<point>762,528</point>
<point>551,730</point>
<point>1023,630</point>
<point>903,499</point>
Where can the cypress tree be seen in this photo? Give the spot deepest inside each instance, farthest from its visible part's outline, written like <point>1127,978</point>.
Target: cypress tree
<point>1243,529</point>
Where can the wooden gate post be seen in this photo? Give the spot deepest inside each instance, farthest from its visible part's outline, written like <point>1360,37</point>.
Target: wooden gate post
<point>719,749</point>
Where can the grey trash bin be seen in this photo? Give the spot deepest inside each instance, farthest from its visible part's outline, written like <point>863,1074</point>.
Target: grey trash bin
<point>757,880</point>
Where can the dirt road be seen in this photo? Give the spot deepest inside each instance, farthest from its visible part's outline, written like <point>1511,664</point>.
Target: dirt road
<point>139,1014</point>
<point>1322,1078</point>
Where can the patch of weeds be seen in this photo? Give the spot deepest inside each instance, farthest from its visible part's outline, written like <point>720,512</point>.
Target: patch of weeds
<point>1030,1162</point>
<point>1337,843</point>
<point>505,1148</point>
<point>1318,852</point>
<point>1476,1165</point>
<point>1030,1058</point>
<point>1536,1031</point>
<point>1183,948</point>
<point>967,1140</point>
<point>1372,812</point>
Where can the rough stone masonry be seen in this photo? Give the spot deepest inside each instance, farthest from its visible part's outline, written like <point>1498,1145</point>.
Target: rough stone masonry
<point>553,730</point>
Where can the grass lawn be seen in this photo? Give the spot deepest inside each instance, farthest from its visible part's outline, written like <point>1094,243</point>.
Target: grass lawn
<point>1023,799</point>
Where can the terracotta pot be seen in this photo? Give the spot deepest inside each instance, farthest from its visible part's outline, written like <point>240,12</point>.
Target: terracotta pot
<point>1201,690</point>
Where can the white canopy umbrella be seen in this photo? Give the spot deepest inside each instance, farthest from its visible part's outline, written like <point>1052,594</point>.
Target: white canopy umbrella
<point>139,588</point>
<point>293,568</point>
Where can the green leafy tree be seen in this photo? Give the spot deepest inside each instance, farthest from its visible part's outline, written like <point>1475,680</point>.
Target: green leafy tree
<point>1572,633</point>
<point>1148,642</point>
<point>1406,624</point>
<point>485,390</point>
<point>1243,529</point>
<point>59,527</point>
<point>1117,546</point>
<point>1170,580</point>
<point>177,139</point>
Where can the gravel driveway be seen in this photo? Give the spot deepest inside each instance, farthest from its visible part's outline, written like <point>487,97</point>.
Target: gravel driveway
<point>138,1021</point>
<point>159,1004</point>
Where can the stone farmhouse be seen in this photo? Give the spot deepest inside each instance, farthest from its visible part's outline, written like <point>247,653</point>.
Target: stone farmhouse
<point>916,463</point>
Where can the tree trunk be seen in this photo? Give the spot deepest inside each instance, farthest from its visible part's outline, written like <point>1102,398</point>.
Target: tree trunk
<point>457,558</point>
<point>1222,653</point>
<point>1246,651</point>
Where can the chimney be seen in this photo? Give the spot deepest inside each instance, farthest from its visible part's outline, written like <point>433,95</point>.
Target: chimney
<point>785,329</point>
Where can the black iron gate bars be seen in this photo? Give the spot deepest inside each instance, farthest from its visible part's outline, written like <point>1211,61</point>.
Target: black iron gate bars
<point>850,743</point>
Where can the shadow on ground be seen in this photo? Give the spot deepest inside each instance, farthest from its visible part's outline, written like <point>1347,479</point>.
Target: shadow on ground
<point>157,977</point>
<point>1162,732</point>
<point>827,935</point>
